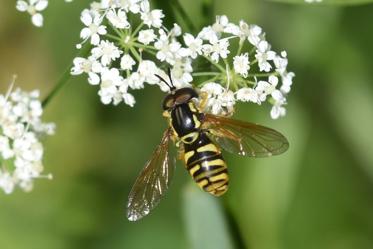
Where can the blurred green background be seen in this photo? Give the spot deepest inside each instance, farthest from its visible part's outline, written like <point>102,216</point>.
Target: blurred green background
<point>317,195</point>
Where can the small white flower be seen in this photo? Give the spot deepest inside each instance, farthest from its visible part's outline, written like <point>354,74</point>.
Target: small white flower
<point>130,5</point>
<point>281,62</point>
<point>208,34</point>
<point>5,149</point>
<point>126,63</point>
<point>118,19</point>
<point>265,88</point>
<point>181,73</point>
<point>146,36</point>
<point>287,81</point>
<point>152,18</point>
<point>94,29</point>
<point>90,66</point>
<point>241,64</point>
<point>254,34</point>
<point>107,51</point>
<point>21,151</point>
<point>220,24</point>
<point>135,81</point>
<point>176,30</point>
<point>194,45</point>
<point>220,100</point>
<point>213,88</point>
<point>263,55</point>
<point>109,91</point>
<point>147,70</point>
<point>33,7</point>
<point>168,50</point>
<point>277,109</point>
<point>129,99</point>
<point>217,49</point>
<point>6,182</point>
<point>247,94</point>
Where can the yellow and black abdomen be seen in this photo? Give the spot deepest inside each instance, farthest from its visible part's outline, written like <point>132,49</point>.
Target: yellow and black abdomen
<point>205,163</point>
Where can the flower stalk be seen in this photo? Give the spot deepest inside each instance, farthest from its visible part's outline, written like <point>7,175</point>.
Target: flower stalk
<point>64,79</point>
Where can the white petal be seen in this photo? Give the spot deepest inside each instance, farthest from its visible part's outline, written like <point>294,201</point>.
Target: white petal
<point>86,18</point>
<point>41,5</point>
<point>21,6</point>
<point>85,33</point>
<point>93,79</point>
<point>37,20</point>
<point>95,39</point>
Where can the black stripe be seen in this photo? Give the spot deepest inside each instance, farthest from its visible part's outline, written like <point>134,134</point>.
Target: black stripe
<point>208,177</point>
<point>211,168</point>
<point>198,160</point>
<point>215,189</point>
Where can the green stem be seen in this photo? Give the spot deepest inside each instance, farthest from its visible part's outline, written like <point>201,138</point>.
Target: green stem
<point>241,42</point>
<point>136,54</point>
<point>113,37</point>
<point>139,45</point>
<point>188,21</point>
<point>200,74</point>
<point>119,33</point>
<point>65,77</point>
<point>222,69</point>
<point>263,74</point>
<point>207,81</point>
<point>137,30</point>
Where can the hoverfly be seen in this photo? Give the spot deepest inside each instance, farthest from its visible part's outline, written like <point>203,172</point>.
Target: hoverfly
<point>199,137</point>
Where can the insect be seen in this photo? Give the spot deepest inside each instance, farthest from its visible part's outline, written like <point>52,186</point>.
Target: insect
<point>199,137</point>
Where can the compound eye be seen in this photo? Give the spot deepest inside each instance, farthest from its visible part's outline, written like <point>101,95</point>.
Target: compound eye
<point>168,103</point>
<point>183,98</point>
<point>185,94</point>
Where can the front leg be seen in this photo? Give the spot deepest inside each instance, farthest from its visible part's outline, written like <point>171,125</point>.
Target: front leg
<point>204,97</point>
<point>181,153</point>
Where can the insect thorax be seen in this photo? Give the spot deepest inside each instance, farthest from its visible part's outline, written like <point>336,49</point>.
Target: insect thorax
<point>185,120</point>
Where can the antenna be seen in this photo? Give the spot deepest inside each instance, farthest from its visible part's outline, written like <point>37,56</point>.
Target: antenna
<point>169,76</point>
<point>171,86</point>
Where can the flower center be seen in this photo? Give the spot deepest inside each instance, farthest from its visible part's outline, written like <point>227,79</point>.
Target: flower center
<point>94,28</point>
<point>31,9</point>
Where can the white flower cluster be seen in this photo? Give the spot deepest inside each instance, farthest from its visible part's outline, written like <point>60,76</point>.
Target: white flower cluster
<point>21,151</point>
<point>252,76</point>
<point>34,7</point>
<point>125,56</point>
<point>313,1</point>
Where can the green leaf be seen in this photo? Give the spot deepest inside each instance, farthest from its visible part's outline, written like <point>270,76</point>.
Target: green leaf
<point>327,2</point>
<point>205,223</point>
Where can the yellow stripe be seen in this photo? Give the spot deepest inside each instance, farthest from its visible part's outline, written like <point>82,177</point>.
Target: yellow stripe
<point>208,147</point>
<point>214,188</point>
<point>220,191</point>
<point>188,155</point>
<point>216,162</point>
<point>194,169</point>
<point>196,121</point>
<point>192,135</point>
<point>192,107</point>
<point>222,176</point>
<point>203,183</point>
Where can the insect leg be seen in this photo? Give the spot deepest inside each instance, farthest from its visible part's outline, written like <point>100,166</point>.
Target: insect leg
<point>203,101</point>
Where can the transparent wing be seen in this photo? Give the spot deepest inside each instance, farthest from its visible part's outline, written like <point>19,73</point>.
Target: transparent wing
<point>244,138</point>
<point>153,181</point>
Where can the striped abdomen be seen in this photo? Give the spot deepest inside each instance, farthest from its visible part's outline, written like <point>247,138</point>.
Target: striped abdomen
<point>206,165</point>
